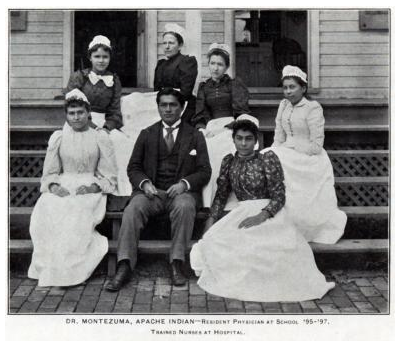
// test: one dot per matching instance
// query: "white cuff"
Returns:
(187, 184)
(141, 183)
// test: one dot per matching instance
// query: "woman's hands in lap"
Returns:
(58, 190)
(83, 189)
(254, 220)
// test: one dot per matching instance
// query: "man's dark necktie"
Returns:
(169, 139)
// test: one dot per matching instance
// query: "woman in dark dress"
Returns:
(177, 70)
(103, 90)
(101, 87)
(220, 100)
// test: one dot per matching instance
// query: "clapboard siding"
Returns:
(34, 82)
(354, 71)
(34, 94)
(354, 48)
(356, 60)
(338, 15)
(36, 38)
(354, 37)
(36, 58)
(352, 93)
(43, 27)
(356, 82)
(33, 49)
(213, 16)
(213, 31)
(24, 72)
(353, 63)
(45, 16)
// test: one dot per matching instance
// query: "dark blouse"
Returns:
(180, 71)
(257, 177)
(102, 99)
(228, 97)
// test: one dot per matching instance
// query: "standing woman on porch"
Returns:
(79, 170)
(103, 90)
(177, 70)
(220, 100)
(298, 142)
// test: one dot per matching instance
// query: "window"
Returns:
(266, 41)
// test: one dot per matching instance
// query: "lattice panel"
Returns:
(26, 166)
(354, 146)
(362, 195)
(24, 196)
(360, 166)
(19, 146)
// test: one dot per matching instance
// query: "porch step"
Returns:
(163, 246)
(35, 181)
(268, 127)
(22, 214)
(342, 152)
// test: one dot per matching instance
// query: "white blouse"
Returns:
(85, 152)
(300, 126)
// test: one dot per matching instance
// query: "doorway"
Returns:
(266, 41)
(121, 28)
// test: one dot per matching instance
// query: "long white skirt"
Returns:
(66, 246)
(310, 195)
(270, 262)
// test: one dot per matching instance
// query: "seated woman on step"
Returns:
(298, 142)
(103, 90)
(79, 170)
(220, 100)
(254, 253)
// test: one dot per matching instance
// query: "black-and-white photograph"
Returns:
(199, 162)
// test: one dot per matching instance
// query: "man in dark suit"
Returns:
(168, 168)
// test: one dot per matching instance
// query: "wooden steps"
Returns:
(263, 128)
(35, 181)
(162, 246)
(341, 152)
(24, 213)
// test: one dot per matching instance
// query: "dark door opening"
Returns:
(121, 28)
(266, 41)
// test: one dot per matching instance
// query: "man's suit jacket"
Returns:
(195, 167)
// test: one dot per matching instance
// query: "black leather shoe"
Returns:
(177, 277)
(121, 277)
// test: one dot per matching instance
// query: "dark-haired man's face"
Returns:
(244, 142)
(78, 118)
(170, 109)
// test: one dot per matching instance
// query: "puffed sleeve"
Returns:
(113, 115)
(224, 188)
(203, 113)
(188, 74)
(52, 162)
(280, 135)
(275, 183)
(76, 80)
(106, 172)
(315, 121)
(240, 98)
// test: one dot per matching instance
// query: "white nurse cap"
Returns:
(294, 71)
(175, 28)
(103, 40)
(219, 46)
(76, 94)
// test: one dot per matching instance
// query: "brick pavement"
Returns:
(355, 292)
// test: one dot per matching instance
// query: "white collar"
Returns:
(175, 125)
(107, 79)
